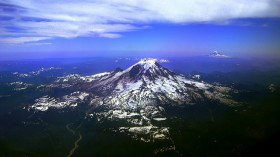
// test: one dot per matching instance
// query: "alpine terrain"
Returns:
(137, 97)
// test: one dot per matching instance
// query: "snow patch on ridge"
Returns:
(46, 102)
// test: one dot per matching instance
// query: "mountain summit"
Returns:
(146, 69)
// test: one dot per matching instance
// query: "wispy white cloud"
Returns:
(37, 43)
(20, 40)
(109, 18)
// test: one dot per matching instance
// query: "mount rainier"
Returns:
(136, 96)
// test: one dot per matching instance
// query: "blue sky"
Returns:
(74, 28)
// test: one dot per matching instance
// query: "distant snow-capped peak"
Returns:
(217, 54)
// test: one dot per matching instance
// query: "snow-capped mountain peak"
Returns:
(145, 64)
(144, 83)
(217, 54)
(138, 94)
(150, 61)
(146, 69)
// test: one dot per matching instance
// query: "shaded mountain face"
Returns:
(136, 96)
